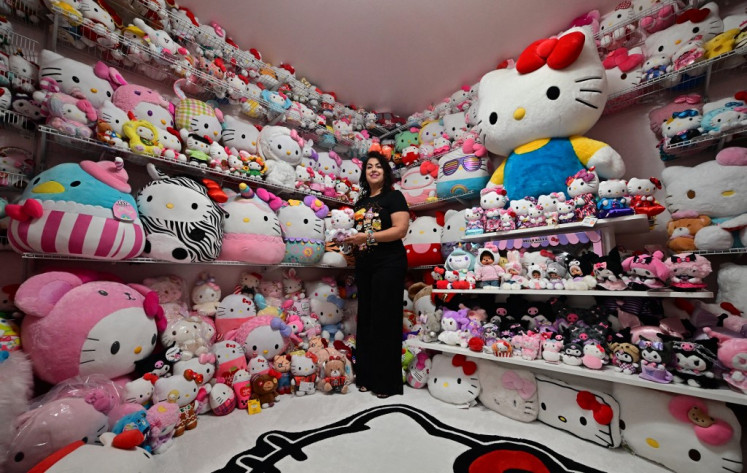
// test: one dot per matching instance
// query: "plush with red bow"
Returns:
(453, 379)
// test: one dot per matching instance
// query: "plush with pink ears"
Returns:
(75, 328)
(694, 411)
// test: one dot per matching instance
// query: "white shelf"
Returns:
(606, 374)
(94, 146)
(619, 225)
(13, 182)
(12, 120)
(730, 251)
(142, 260)
(461, 198)
(703, 142)
(665, 293)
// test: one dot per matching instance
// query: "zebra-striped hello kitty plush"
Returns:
(522, 112)
(182, 220)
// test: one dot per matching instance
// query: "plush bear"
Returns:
(182, 220)
(682, 230)
(110, 123)
(252, 231)
(105, 211)
(521, 112)
(333, 377)
(113, 325)
(712, 189)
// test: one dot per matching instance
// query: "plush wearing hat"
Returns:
(714, 189)
(524, 114)
(108, 326)
(196, 116)
(78, 209)
(462, 170)
(145, 104)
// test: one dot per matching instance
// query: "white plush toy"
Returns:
(525, 115)
(281, 149)
(239, 135)
(512, 393)
(341, 224)
(453, 379)
(89, 457)
(716, 189)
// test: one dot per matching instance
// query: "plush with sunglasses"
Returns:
(521, 112)
(462, 171)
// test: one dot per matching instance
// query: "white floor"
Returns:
(217, 439)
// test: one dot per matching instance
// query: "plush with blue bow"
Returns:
(329, 311)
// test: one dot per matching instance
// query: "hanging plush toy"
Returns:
(182, 220)
(94, 196)
(522, 114)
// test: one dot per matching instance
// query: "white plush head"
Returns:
(327, 311)
(176, 389)
(709, 189)
(512, 393)
(662, 428)
(329, 163)
(74, 77)
(668, 41)
(115, 117)
(227, 350)
(731, 283)
(624, 69)
(423, 230)
(461, 172)
(276, 143)
(413, 179)
(302, 365)
(549, 202)
(340, 218)
(493, 199)
(138, 391)
(239, 135)
(455, 225)
(519, 108)
(613, 188)
(430, 131)
(322, 289)
(637, 186)
(201, 366)
(453, 379)
(299, 221)
(522, 207)
(258, 364)
(455, 125)
(676, 125)
(588, 184)
(351, 170)
(251, 215)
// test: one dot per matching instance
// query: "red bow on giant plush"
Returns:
(557, 53)
(695, 15)
(468, 367)
(602, 412)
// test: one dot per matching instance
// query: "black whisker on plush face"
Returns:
(586, 103)
(596, 91)
(584, 79)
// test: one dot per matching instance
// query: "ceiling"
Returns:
(391, 55)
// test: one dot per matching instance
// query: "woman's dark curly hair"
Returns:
(386, 169)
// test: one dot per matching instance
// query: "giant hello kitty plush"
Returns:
(182, 221)
(423, 241)
(78, 209)
(454, 379)
(714, 189)
(522, 114)
(108, 326)
(251, 228)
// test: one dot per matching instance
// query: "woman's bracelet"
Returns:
(370, 241)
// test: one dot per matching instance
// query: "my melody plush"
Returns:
(711, 189)
(96, 193)
(521, 116)
(252, 231)
(108, 337)
(182, 220)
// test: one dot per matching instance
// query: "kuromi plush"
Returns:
(522, 114)
(108, 326)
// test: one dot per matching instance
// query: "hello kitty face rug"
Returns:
(430, 446)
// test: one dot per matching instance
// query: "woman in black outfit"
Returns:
(382, 220)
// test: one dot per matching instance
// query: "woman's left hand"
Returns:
(356, 240)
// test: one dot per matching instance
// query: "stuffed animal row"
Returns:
(171, 360)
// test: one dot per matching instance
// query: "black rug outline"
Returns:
(276, 445)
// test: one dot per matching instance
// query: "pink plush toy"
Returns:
(163, 418)
(44, 430)
(107, 326)
(145, 104)
(263, 335)
(70, 115)
(688, 271)
(170, 290)
(646, 272)
(709, 430)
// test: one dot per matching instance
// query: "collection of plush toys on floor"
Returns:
(485, 268)
(143, 363)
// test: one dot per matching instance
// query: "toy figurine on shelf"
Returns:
(612, 200)
(493, 202)
(641, 192)
(688, 271)
(625, 354)
(645, 272)
(654, 359)
(582, 188)
(475, 221)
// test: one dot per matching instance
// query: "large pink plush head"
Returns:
(44, 430)
(145, 104)
(263, 335)
(73, 328)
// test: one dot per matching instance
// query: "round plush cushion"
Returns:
(255, 249)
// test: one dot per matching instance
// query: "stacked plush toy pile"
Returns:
(145, 360)
(488, 269)
(704, 349)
